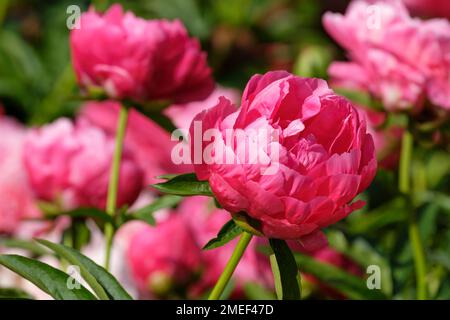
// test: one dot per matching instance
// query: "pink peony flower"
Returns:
(432, 8)
(150, 144)
(399, 59)
(16, 198)
(129, 57)
(163, 256)
(181, 73)
(313, 156)
(71, 162)
(206, 220)
(182, 114)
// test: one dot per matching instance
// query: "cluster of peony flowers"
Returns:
(318, 148)
(401, 60)
(69, 163)
(325, 157)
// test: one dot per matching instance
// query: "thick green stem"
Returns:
(231, 266)
(114, 181)
(414, 234)
(419, 259)
(404, 183)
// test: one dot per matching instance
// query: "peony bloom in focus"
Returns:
(129, 57)
(71, 163)
(290, 160)
(206, 220)
(16, 197)
(182, 114)
(431, 8)
(164, 256)
(401, 60)
(150, 144)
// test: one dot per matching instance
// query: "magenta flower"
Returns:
(432, 8)
(129, 57)
(314, 156)
(399, 59)
(163, 256)
(16, 197)
(71, 163)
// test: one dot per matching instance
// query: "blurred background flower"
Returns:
(16, 197)
(69, 164)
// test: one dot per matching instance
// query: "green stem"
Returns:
(231, 266)
(414, 234)
(114, 181)
(405, 163)
(419, 260)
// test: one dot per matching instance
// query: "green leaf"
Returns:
(80, 235)
(348, 284)
(379, 217)
(146, 213)
(255, 291)
(48, 279)
(228, 232)
(63, 252)
(167, 176)
(23, 244)
(185, 185)
(14, 294)
(90, 213)
(51, 105)
(111, 286)
(285, 271)
(437, 168)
